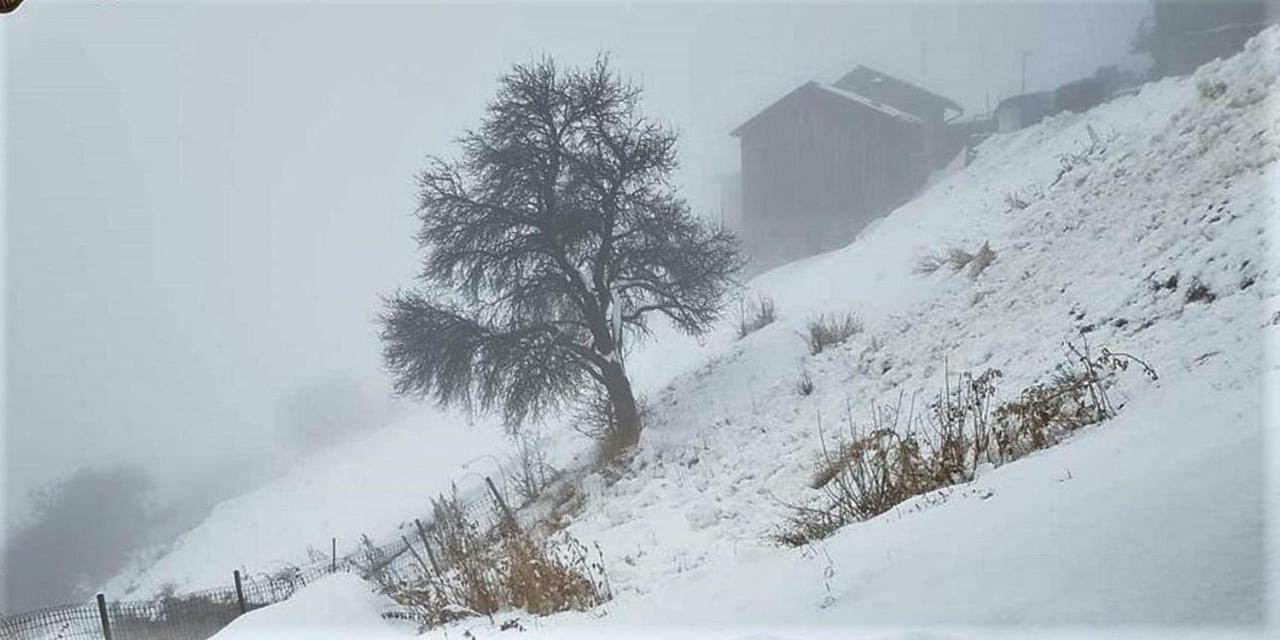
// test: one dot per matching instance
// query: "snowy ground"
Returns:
(1149, 523)
(335, 607)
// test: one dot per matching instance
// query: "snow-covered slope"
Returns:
(369, 485)
(1153, 518)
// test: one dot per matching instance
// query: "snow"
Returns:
(1151, 523)
(339, 606)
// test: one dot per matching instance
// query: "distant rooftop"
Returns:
(846, 97)
(865, 80)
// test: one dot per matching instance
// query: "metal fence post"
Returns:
(102, 614)
(333, 567)
(417, 557)
(422, 533)
(508, 516)
(239, 593)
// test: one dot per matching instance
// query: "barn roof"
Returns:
(886, 109)
(863, 76)
(845, 97)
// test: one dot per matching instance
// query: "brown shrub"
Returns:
(477, 571)
(861, 476)
(865, 475)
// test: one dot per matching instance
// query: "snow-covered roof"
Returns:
(826, 89)
(888, 110)
(864, 76)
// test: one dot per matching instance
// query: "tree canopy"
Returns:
(549, 245)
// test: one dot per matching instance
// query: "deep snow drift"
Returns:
(337, 606)
(1153, 240)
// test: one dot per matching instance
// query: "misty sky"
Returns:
(205, 202)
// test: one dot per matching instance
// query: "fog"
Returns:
(204, 203)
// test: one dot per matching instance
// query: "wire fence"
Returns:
(199, 615)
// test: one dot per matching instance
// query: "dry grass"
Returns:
(1016, 201)
(476, 571)
(1020, 199)
(804, 384)
(928, 263)
(1198, 291)
(905, 454)
(825, 331)
(981, 260)
(863, 474)
(755, 316)
(529, 470)
(958, 259)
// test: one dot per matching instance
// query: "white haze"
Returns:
(205, 202)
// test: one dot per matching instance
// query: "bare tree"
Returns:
(549, 245)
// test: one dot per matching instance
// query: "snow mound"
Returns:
(337, 606)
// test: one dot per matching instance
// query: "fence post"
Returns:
(102, 614)
(417, 557)
(507, 515)
(426, 544)
(333, 567)
(239, 593)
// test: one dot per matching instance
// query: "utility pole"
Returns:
(1025, 55)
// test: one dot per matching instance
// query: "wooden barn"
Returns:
(826, 159)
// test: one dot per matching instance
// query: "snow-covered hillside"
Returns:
(1153, 241)
(368, 486)
(1153, 518)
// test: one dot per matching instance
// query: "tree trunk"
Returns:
(626, 427)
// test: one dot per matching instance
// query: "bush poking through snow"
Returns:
(960, 420)
(981, 260)
(928, 264)
(958, 259)
(825, 331)
(528, 470)
(861, 476)
(475, 571)
(1211, 89)
(866, 473)
(755, 316)
(1095, 149)
(1199, 292)
(804, 385)
(1017, 200)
